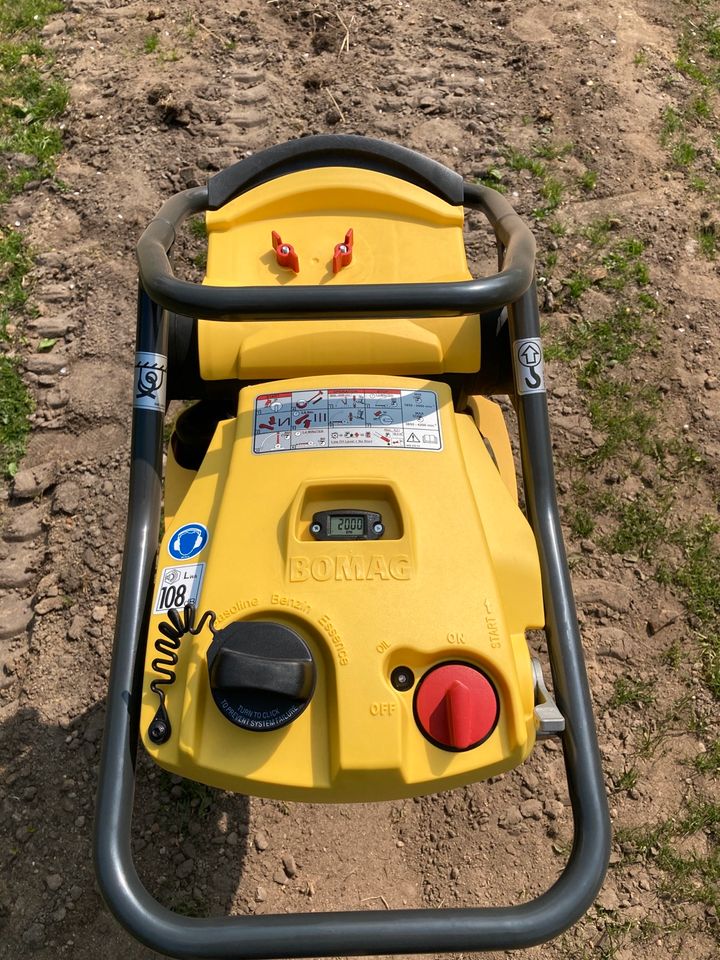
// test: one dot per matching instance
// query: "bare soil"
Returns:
(463, 82)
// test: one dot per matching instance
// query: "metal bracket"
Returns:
(550, 721)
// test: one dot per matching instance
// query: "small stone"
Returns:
(24, 524)
(48, 605)
(59, 915)
(52, 327)
(99, 613)
(54, 881)
(41, 363)
(75, 892)
(289, 865)
(614, 643)
(280, 878)
(554, 809)
(659, 621)
(510, 818)
(56, 399)
(32, 481)
(76, 630)
(262, 841)
(232, 839)
(53, 28)
(261, 895)
(608, 899)
(16, 615)
(34, 936)
(454, 873)
(18, 568)
(603, 593)
(531, 809)
(185, 869)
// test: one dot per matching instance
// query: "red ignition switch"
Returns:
(456, 706)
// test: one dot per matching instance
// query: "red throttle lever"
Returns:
(342, 256)
(285, 253)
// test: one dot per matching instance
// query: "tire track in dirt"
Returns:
(461, 84)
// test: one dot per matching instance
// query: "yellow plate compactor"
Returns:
(338, 607)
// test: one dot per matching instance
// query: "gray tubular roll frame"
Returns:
(363, 932)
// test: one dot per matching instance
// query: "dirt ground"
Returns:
(471, 84)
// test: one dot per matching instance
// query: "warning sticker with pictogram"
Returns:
(340, 418)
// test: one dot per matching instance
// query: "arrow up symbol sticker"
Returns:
(528, 366)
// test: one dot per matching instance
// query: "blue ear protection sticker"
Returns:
(188, 541)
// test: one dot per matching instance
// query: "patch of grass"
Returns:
(629, 692)
(197, 228)
(15, 403)
(625, 416)
(582, 522)
(576, 284)
(709, 762)
(588, 181)
(556, 228)
(708, 240)
(30, 101)
(671, 124)
(691, 871)
(684, 153)
(553, 151)
(641, 526)
(640, 58)
(552, 191)
(15, 408)
(598, 231)
(647, 301)
(151, 42)
(522, 161)
(627, 779)
(15, 262)
(700, 106)
(698, 575)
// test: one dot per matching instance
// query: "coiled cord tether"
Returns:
(172, 633)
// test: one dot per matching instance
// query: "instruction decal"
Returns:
(178, 586)
(188, 541)
(335, 418)
(529, 366)
(150, 381)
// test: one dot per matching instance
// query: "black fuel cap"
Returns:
(262, 674)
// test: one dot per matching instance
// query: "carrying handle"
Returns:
(330, 301)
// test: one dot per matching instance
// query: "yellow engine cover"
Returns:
(454, 577)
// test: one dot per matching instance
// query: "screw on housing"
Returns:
(285, 253)
(342, 256)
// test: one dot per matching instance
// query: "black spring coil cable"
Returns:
(172, 633)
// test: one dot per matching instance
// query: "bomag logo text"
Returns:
(344, 567)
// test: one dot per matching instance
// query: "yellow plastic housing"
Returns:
(402, 234)
(455, 577)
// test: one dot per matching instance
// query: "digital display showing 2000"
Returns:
(348, 525)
